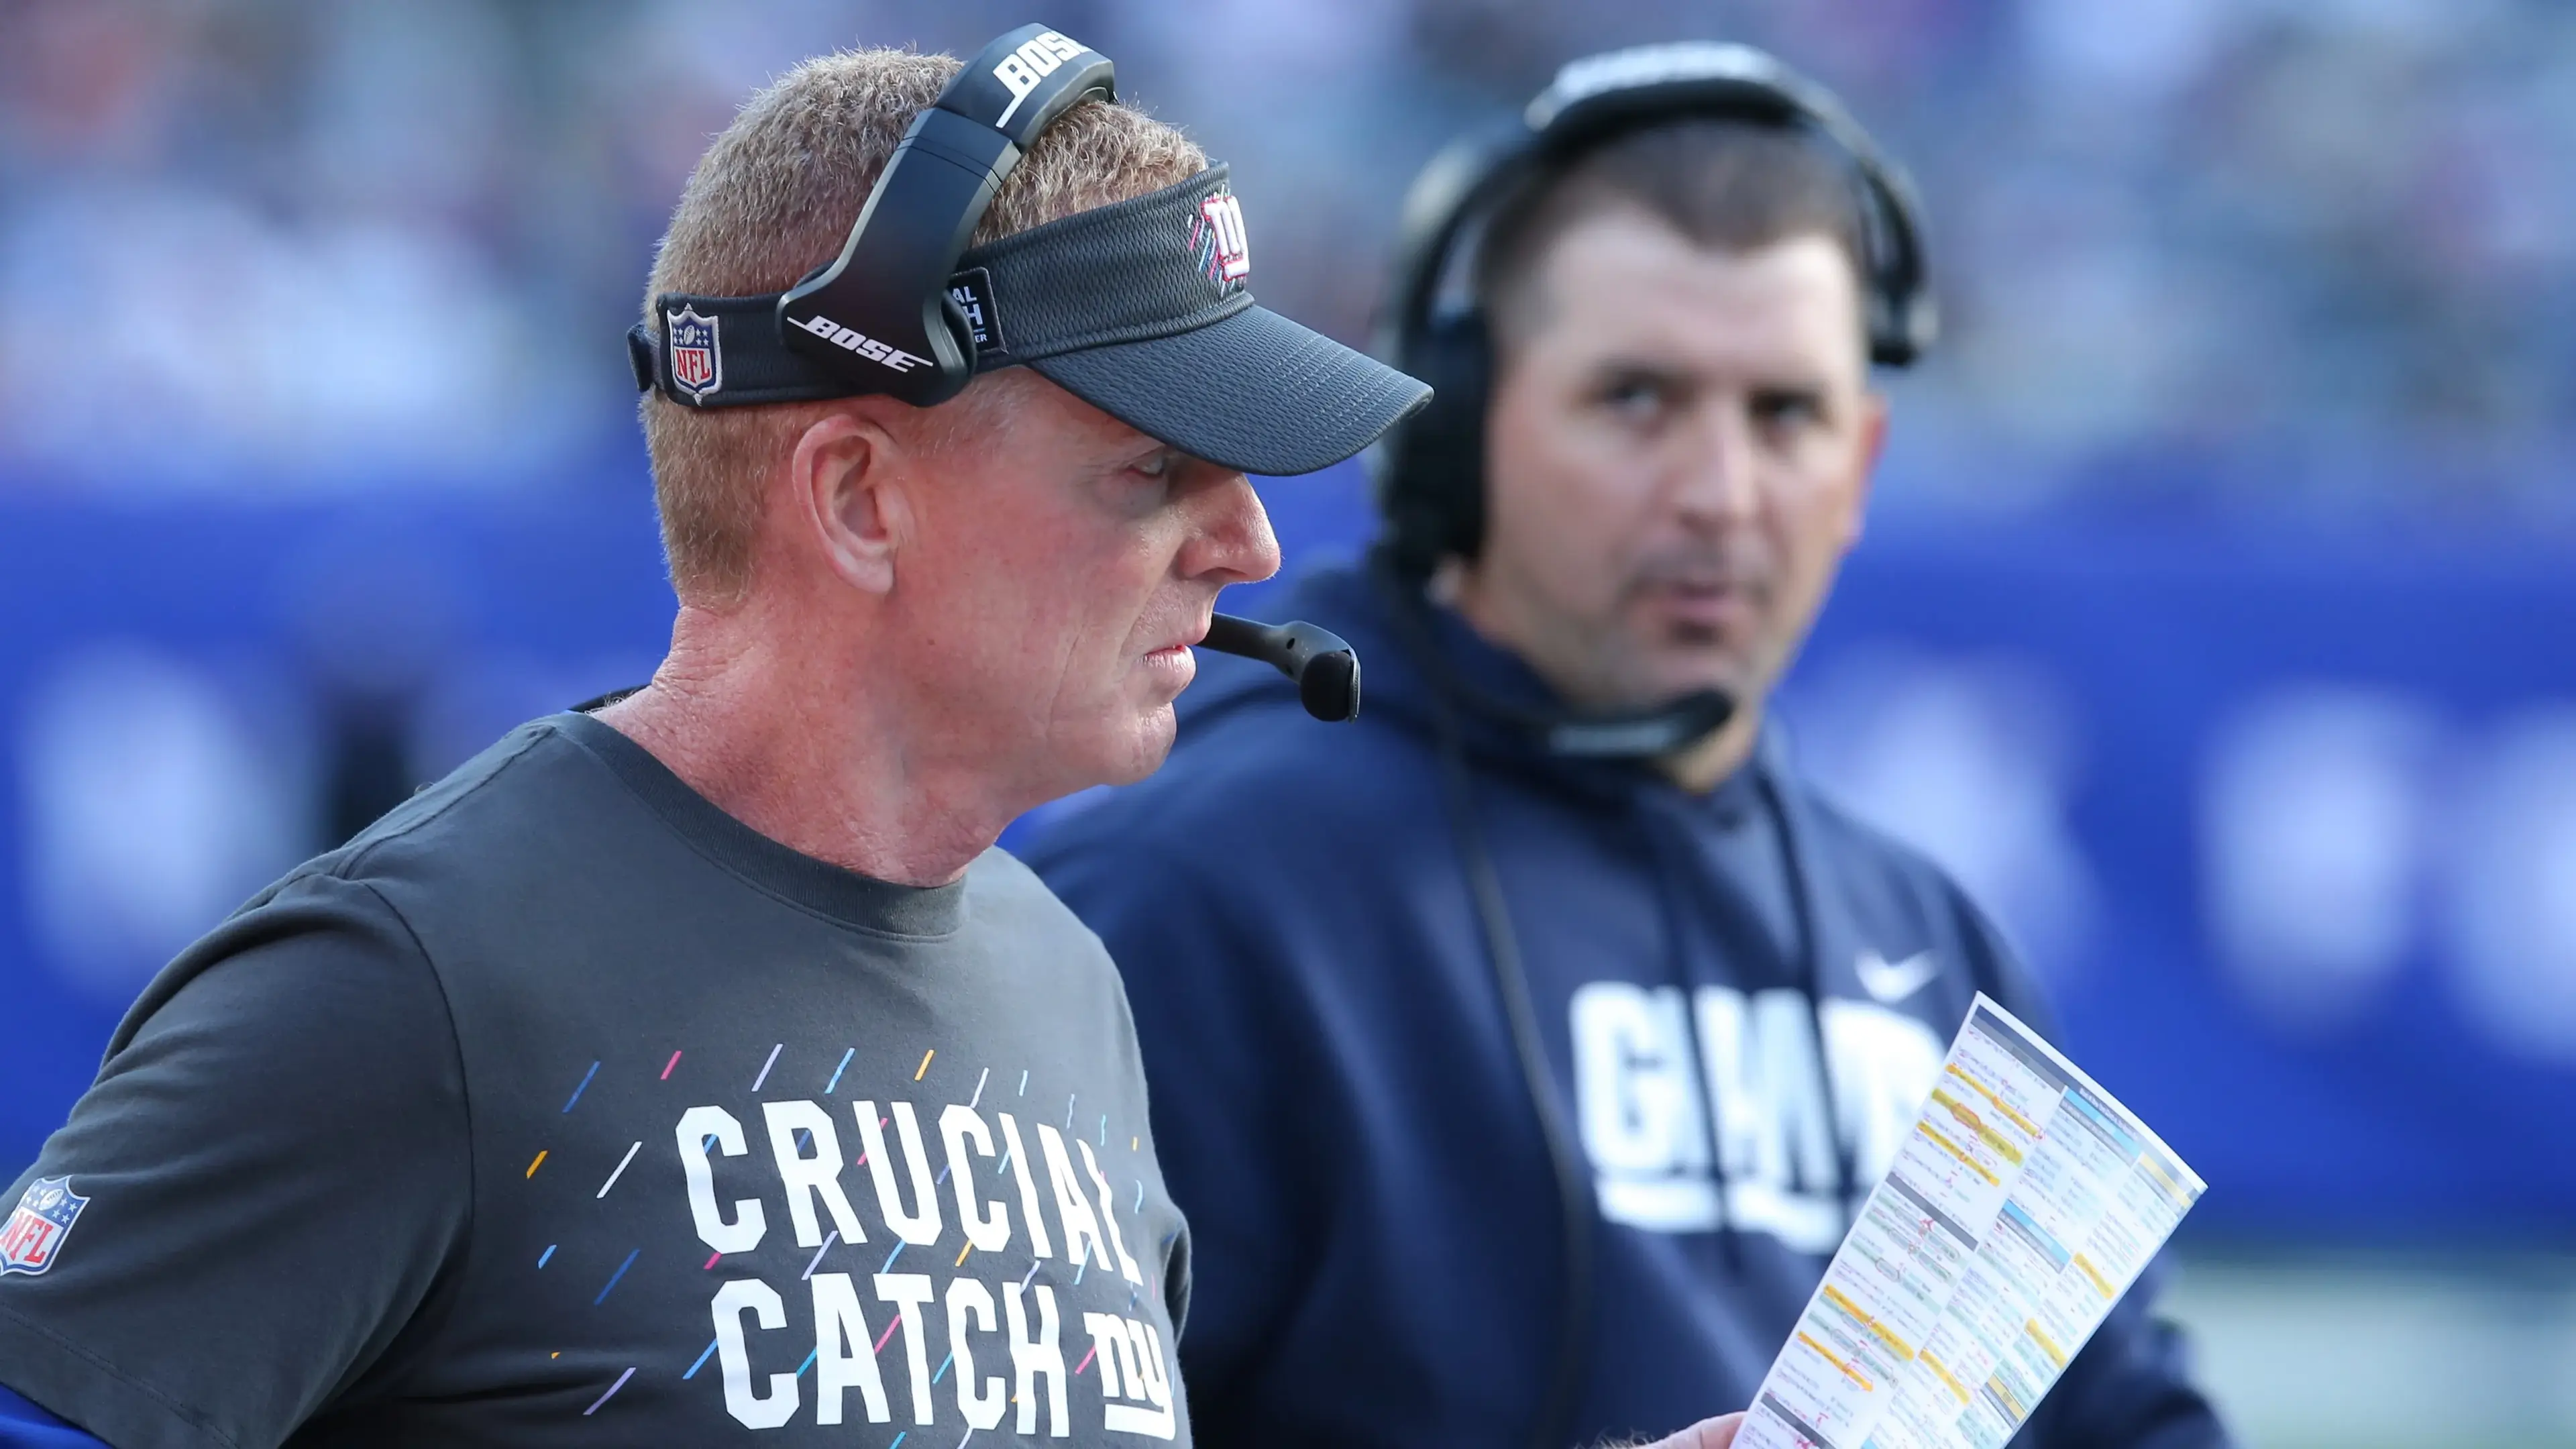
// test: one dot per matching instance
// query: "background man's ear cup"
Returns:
(1431, 468)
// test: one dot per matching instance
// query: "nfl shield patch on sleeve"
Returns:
(33, 1236)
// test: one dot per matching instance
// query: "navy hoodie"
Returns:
(1382, 1258)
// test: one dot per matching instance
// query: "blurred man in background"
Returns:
(1522, 1062)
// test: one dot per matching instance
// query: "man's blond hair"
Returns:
(773, 198)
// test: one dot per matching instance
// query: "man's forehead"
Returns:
(1020, 401)
(1628, 277)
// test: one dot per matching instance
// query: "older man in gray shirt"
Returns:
(695, 1066)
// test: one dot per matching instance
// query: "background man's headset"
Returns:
(891, 285)
(1431, 484)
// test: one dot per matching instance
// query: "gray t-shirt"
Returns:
(560, 1108)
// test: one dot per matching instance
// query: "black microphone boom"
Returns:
(1326, 669)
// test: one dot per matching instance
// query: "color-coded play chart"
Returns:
(2024, 1203)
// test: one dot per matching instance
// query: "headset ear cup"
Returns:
(1431, 489)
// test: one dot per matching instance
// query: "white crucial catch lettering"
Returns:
(981, 1337)
(1037, 58)
(1709, 1110)
(861, 343)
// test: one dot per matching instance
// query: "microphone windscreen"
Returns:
(1329, 686)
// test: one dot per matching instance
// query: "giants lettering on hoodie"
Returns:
(1708, 1111)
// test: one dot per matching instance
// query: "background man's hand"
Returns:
(1714, 1433)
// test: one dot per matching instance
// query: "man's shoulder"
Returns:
(343, 912)
(315, 947)
(1857, 846)
(1889, 879)
(510, 798)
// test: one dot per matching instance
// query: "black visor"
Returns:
(1140, 308)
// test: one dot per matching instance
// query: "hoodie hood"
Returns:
(1403, 662)
(1346, 1106)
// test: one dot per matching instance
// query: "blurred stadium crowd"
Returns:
(2298, 244)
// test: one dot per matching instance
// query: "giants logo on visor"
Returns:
(1225, 252)
(697, 364)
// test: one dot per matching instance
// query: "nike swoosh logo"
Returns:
(1893, 981)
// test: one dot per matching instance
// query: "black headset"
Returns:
(883, 318)
(1430, 469)
(889, 286)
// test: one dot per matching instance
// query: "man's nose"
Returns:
(1717, 472)
(1234, 544)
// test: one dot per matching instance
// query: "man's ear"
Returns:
(845, 479)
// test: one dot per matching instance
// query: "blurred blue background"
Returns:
(2213, 624)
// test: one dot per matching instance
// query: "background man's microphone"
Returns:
(1326, 669)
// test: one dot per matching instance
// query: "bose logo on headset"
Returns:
(861, 343)
(1035, 60)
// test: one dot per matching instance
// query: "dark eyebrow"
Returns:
(1807, 392)
(1628, 369)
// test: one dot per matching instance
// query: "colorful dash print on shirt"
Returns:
(613, 1277)
(612, 1392)
(829, 1239)
(585, 1086)
(621, 1169)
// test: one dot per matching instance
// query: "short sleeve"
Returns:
(25, 1426)
(255, 1197)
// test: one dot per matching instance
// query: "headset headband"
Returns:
(1430, 472)
(890, 283)
(880, 318)
(1600, 96)
(1141, 307)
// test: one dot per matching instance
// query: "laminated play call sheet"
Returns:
(2022, 1205)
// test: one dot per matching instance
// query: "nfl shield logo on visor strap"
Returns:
(1225, 251)
(697, 363)
(33, 1236)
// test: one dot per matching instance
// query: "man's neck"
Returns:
(1702, 767)
(1698, 768)
(792, 748)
